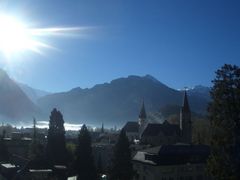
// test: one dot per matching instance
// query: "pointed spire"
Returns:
(185, 106)
(102, 130)
(34, 129)
(142, 114)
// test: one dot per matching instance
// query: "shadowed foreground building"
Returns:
(172, 162)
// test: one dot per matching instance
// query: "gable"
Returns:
(131, 127)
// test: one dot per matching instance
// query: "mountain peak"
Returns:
(3, 74)
(150, 77)
(77, 89)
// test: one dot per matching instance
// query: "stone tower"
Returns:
(142, 119)
(185, 121)
(142, 115)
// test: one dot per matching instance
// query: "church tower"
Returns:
(142, 116)
(142, 119)
(185, 121)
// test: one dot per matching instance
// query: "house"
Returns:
(172, 162)
(132, 130)
(158, 134)
(7, 171)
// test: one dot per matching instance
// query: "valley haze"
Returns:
(112, 103)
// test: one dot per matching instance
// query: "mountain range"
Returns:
(113, 103)
(32, 93)
(14, 103)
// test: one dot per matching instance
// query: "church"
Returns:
(165, 133)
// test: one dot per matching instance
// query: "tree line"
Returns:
(81, 162)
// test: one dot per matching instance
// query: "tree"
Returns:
(56, 145)
(122, 168)
(99, 164)
(4, 155)
(84, 163)
(224, 114)
(36, 149)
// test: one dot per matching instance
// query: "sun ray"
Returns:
(15, 36)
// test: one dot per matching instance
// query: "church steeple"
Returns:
(142, 119)
(142, 114)
(185, 106)
(185, 120)
(102, 129)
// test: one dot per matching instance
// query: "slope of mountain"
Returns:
(200, 91)
(32, 93)
(118, 101)
(14, 104)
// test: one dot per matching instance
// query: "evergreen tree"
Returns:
(99, 164)
(84, 164)
(224, 113)
(36, 150)
(4, 155)
(56, 145)
(122, 168)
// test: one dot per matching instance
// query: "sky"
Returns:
(179, 42)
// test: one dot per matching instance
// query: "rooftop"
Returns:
(154, 129)
(131, 126)
(173, 154)
(40, 170)
(8, 165)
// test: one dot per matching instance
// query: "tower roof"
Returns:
(185, 106)
(102, 129)
(142, 113)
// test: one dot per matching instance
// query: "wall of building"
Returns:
(160, 139)
(173, 172)
(132, 135)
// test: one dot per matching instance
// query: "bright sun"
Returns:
(14, 36)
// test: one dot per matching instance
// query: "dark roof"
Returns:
(165, 128)
(36, 164)
(131, 127)
(178, 149)
(173, 154)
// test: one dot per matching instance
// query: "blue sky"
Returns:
(180, 42)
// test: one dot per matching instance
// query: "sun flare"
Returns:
(16, 36)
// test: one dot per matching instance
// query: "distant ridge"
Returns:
(32, 93)
(113, 103)
(119, 101)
